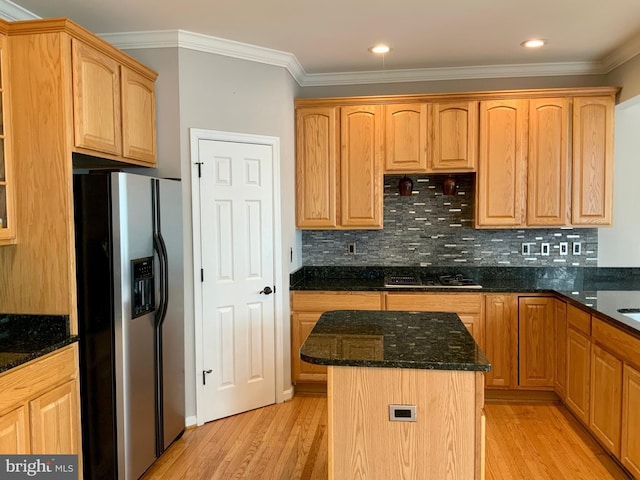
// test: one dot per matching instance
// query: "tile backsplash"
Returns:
(432, 229)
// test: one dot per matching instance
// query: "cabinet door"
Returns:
(7, 211)
(500, 190)
(406, 138)
(536, 341)
(14, 433)
(630, 448)
(361, 166)
(53, 417)
(548, 163)
(138, 117)
(96, 100)
(560, 329)
(605, 408)
(578, 374)
(454, 137)
(316, 167)
(501, 339)
(592, 176)
(302, 324)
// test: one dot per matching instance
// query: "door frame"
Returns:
(282, 392)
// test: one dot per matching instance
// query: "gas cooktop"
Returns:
(440, 281)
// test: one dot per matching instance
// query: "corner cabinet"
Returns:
(7, 183)
(114, 107)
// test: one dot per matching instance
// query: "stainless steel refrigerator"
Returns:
(129, 261)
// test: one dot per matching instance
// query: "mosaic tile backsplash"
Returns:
(432, 229)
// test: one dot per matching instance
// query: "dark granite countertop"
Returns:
(421, 340)
(602, 290)
(26, 337)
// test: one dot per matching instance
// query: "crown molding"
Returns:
(12, 12)
(220, 46)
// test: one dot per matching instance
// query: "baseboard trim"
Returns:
(521, 396)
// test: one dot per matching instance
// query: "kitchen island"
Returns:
(405, 394)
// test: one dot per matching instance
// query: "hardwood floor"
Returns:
(288, 441)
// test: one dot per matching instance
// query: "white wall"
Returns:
(619, 246)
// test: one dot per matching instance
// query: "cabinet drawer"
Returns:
(435, 302)
(37, 376)
(623, 344)
(579, 319)
(325, 301)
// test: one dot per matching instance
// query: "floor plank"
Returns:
(288, 441)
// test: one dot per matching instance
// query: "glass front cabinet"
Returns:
(7, 215)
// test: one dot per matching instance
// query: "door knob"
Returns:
(266, 290)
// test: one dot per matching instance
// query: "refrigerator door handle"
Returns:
(161, 249)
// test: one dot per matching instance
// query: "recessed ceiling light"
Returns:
(533, 43)
(381, 48)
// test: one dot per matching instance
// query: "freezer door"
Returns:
(172, 328)
(134, 337)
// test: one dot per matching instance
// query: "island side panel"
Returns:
(364, 444)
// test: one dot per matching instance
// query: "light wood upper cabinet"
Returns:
(548, 162)
(317, 151)
(454, 137)
(536, 342)
(361, 138)
(96, 100)
(406, 138)
(113, 106)
(502, 163)
(592, 176)
(7, 184)
(605, 408)
(138, 116)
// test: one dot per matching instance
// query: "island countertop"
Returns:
(391, 339)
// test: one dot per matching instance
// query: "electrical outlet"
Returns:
(577, 248)
(351, 248)
(526, 249)
(544, 249)
(564, 248)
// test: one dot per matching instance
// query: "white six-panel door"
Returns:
(236, 241)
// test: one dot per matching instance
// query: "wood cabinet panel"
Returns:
(560, 330)
(592, 175)
(536, 342)
(317, 151)
(138, 116)
(454, 137)
(54, 421)
(501, 339)
(302, 325)
(406, 138)
(630, 447)
(578, 374)
(8, 218)
(548, 162)
(14, 432)
(605, 408)
(501, 179)
(325, 301)
(96, 99)
(361, 138)
(614, 339)
(579, 319)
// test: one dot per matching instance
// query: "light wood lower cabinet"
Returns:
(39, 410)
(605, 404)
(560, 330)
(536, 342)
(306, 308)
(630, 445)
(578, 374)
(468, 306)
(501, 339)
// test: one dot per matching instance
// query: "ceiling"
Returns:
(332, 37)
